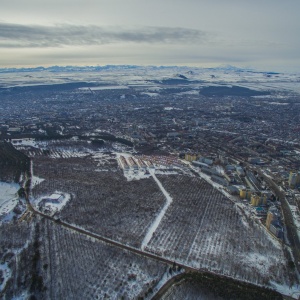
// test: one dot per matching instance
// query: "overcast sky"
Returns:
(262, 34)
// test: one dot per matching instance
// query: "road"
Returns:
(291, 229)
(164, 289)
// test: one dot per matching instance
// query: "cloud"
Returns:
(36, 36)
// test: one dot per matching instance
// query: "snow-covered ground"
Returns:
(8, 197)
(55, 149)
(25, 142)
(135, 175)
(8, 191)
(6, 273)
(52, 203)
(35, 180)
(84, 268)
(164, 279)
(135, 76)
(292, 291)
(202, 249)
(296, 217)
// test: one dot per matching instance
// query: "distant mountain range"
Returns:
(126, 67)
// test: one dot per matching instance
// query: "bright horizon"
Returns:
(258, 35)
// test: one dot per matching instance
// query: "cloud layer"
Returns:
(18, 36)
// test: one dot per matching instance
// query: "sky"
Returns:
(259, 34)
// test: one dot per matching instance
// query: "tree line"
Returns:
(13, 163)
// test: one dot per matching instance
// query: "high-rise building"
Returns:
(245, 194)
(190, 156)
(294, 179)
(273, 215)
(257, 200)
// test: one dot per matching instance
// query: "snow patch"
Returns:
(99, 88)
(35, 181)
(150, 94)
(8, 197)
(6, 273)
(30, 142)
(292, 291)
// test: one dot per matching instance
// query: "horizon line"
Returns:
(107, 66)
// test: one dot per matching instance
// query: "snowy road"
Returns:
(159, 217)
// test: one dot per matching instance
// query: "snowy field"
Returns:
(8, 197)
(133, 76)
(158, 205)
(8, 191)
(82, 268)
(203, 229)
(103, 200)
